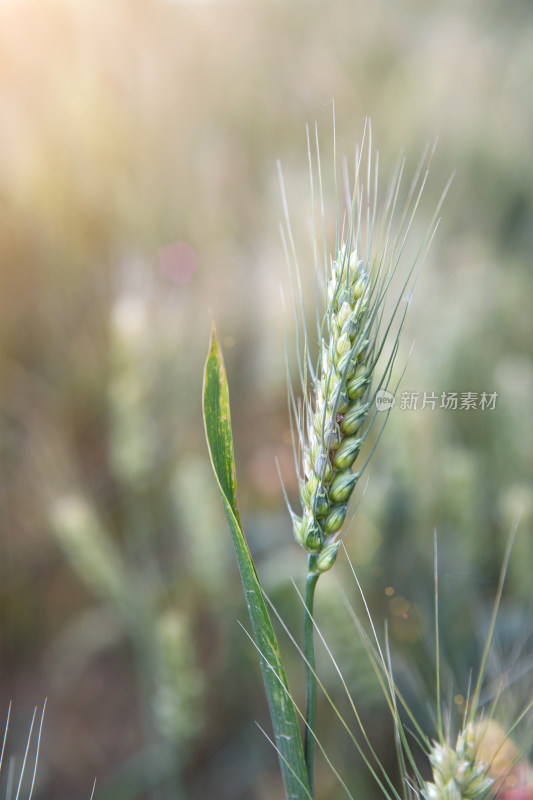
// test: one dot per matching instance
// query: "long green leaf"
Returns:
(219, 438)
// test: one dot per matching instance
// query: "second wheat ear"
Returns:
(367, 289)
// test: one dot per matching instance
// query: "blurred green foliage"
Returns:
(131, 125)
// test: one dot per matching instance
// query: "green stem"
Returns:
(310, 677)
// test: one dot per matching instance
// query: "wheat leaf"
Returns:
(220, 442)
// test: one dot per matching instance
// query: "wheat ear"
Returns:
(336, 410)
(334, 415)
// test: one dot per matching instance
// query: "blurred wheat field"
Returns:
(139, 198)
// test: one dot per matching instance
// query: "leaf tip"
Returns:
(213, 338)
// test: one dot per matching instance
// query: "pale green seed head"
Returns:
(457, 772)
(331, 406)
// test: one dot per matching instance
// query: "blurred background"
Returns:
(139, 199)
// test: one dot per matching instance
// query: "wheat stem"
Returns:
(310, 674)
